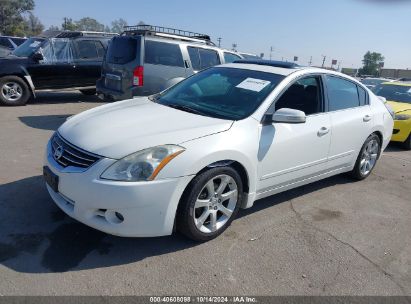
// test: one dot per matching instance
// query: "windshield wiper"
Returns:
(185, 108)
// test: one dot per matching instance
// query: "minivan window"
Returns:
(163, 53)
(229, 57)
(87, 49)
(342, 94)
(122, 50)
(202, 58)
(227, 93)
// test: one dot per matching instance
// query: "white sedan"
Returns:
(190, 157)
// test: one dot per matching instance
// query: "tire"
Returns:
(369, 154)
(88, 92)
(14, 91)
(407, 144)
(195, 220)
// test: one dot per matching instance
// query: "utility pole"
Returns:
(323, 60)
(271, 51)
(234, 47)
(65, 23)
(311, 61)
(219, 41)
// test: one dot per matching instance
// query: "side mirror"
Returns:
(286, 115)
(37, 57)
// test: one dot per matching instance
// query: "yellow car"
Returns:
(398, 95)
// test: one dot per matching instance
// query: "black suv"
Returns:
(68, 60)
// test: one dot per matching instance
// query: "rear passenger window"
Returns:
(362, 94)
(87, 49)
(229, 57)
(202, 58)
(6, 43)
(163, 53)
(122, 50)
(342, 94)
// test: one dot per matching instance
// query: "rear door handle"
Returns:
(323, 131)
(367, 118)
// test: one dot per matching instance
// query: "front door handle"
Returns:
(323, 131)
(367, 118)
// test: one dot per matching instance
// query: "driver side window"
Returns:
(304, 95)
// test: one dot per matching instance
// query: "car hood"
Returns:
(399, 107)
(119, 129)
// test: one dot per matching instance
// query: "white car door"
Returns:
(290, 153)
(351, 120)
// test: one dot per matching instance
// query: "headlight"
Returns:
(143, 165)
(402, 116)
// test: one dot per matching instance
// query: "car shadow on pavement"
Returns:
(44, 122)
(394, 147)
(37, 237)
(56, 97)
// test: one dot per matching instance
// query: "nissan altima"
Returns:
(190, 157)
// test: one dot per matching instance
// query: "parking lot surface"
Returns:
(333, 237)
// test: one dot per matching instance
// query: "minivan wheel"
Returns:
(88, 92)
(210, 204)
(13, 91)
(367, 159)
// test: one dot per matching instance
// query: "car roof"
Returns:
(277, 67)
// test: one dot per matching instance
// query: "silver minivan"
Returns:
(145, 60)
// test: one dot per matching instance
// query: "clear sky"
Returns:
(339, 29)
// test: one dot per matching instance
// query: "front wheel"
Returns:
(13, 91)
(367, 159)
(210, 204)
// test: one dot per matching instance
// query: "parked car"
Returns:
(398, 95)
(372, 82)
(70, 60)
(192, 155)
(9, 44)
(147, 59)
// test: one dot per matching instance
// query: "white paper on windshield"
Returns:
(35, 44)
(253, 84)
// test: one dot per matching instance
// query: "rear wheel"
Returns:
(13, 91)
(367, 159)
(407, 144)
(88, 92)
(210, 204)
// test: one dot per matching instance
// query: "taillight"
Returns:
(138, 76)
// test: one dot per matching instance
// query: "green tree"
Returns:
(371, 63)
(32, 25)
(89, 24)
(117, 26)
(68, 24)
(11, 16)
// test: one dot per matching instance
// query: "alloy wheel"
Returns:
(215, 204)
(369, 157)
(11, 91)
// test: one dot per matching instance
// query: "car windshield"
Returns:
(227, 93)
(28, 47)
(399, 93)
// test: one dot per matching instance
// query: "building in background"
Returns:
(395, 73)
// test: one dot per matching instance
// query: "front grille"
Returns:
(68, 155)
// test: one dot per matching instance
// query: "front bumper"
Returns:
(402, 129)
(147, 208)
